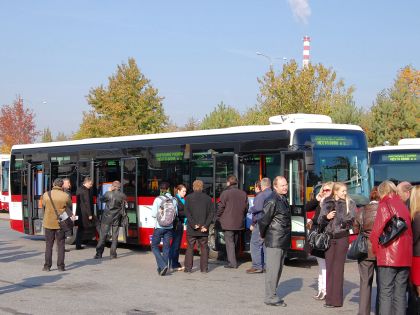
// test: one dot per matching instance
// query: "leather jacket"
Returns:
(115, 207)
(339, 226)
(400, 251)
(365, 218)
(276, 225)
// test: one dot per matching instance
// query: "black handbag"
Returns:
(359, 247)
(393, 228)
(64, 221)
(319, 239)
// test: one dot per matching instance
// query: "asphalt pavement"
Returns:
(131, 285)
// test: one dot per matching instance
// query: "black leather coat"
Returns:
(115, 207)
(276, 224)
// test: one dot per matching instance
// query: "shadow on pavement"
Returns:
(30, 283)
(17, 255)
(95, 262)
(289, 286)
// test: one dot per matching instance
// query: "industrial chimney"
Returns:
(306, 48)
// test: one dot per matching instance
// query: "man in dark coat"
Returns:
(114, 210)
(275, 228)
(84, 210)
(257, 243)
(231, 212)
(199, 212)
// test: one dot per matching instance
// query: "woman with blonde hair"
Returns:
(415, 267)
(337, 215)
(312, 225)
(393, 259)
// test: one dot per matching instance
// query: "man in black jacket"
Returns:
(114, 210)
(275, 228)
(84, 210)
(199, 213)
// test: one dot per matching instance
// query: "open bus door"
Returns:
(35, 180)
(129, 188)
(224, 164)
(293, 169)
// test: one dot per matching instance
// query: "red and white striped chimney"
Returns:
(306, 49)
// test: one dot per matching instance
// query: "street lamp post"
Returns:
(270, 59)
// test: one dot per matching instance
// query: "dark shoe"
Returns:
(230, 267)
(163, 271)
(97, 256)
(114, 256)
(61, 269)
(187, 270)
(204, 271)
(80, 247)
(46, 268)
(254, 270)
(280, 303)
(330, 306)
(66, 250)
(322, 296)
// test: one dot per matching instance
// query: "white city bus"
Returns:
(397, 163)
(306, 149)
(4, 182)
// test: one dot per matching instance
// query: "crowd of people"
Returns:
(397, 265)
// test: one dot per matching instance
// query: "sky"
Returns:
(196, 53)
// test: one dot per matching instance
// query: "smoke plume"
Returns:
(301, 10)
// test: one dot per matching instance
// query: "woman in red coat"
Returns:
(415, 268)
(394, 259)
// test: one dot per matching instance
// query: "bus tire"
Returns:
(71, 240)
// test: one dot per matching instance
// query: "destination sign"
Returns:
(401, 157)
(332, 141)
(169, 156)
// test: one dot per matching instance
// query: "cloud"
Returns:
(300, 9)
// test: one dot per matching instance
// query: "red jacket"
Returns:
(400, 251)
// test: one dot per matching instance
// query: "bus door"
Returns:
(129, 188)
(293, 169)
(224, 164)
(35, 181)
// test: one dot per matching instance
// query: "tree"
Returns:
(192, 124)
(313, 89)
(396, 111)
(221, 117)
(46, 135)
(128, 105)
(17, 125)
(61, 136)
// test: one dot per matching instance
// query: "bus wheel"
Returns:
(70, 240)
(213, 252)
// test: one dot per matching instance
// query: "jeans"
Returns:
(257, 249)
(392, 288)
(162, 259)
(176, 244)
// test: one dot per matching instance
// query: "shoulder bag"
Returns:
(64, 221)
(319, 239)
(359, 247)
(393, 228)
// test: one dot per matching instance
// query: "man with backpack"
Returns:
(164, 209)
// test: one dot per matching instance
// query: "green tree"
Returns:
(61, 136)
(221, 117)
(313, 89)
(46, 135)
(396, 111)
(128, 105)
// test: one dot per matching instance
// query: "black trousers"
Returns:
(231, 239)
(105, 228)
(335, 257)
(204, 252)
(52, 235)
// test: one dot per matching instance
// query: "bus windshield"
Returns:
(338, 156)
(395, 165)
